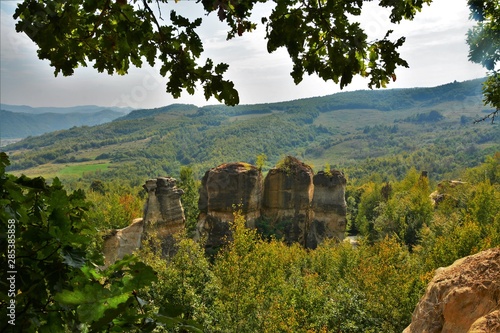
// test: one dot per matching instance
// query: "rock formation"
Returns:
(288, 193)
(461, 298)
(224, 189)
(329, 207)
(163, 213)
(445, 191)
(163, 217)
(295, 206)
(291, 203)
(121, 242)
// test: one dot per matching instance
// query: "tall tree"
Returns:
(321, 37)
(484, 48)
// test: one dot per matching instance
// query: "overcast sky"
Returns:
(435, 49)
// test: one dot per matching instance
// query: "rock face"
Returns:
(121, 242)
(163, 213)
(288, 193)
(461, 298)
(295, 205)
(290, 203)
(329, 207)
(224, 189)
(163, 217)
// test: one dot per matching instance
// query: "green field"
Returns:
(79, 169)
(73, 170)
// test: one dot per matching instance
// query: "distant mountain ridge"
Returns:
(15, 125)
(382, 100)
(68, 109)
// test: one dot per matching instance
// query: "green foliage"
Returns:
(488, 171)
(253, 284)
(484, 44)
(260, 161)
(183, 290)
(321, 38)
(190, 197)
(401, 209)
(50, 244)
(431, 117)
(115, 208)
(103, 299)
(58, 288)
(367, 210)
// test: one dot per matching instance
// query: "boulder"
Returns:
(225, 189)
(461, 298)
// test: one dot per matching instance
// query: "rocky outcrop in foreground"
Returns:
(462, 298)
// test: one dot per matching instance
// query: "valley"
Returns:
(346, 131)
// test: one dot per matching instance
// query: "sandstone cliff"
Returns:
(329, 207)
(461, 298)
(295, 205)
(288, 194)
(163, 217)
(163, 213)
(224, 189)
(291, 203)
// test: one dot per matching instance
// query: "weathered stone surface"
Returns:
(163, 213)
(224, 189)
(288, 193)
(289, 203)
(461, 298)
(329, 208)
(121, 242)
(163, 218)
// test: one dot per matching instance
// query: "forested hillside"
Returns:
(362, 132)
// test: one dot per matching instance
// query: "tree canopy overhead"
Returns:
(484, 48)
(322, 37)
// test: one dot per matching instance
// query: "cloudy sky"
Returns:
(435, 49)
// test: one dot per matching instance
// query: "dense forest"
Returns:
(383, 141)
(254, 284)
